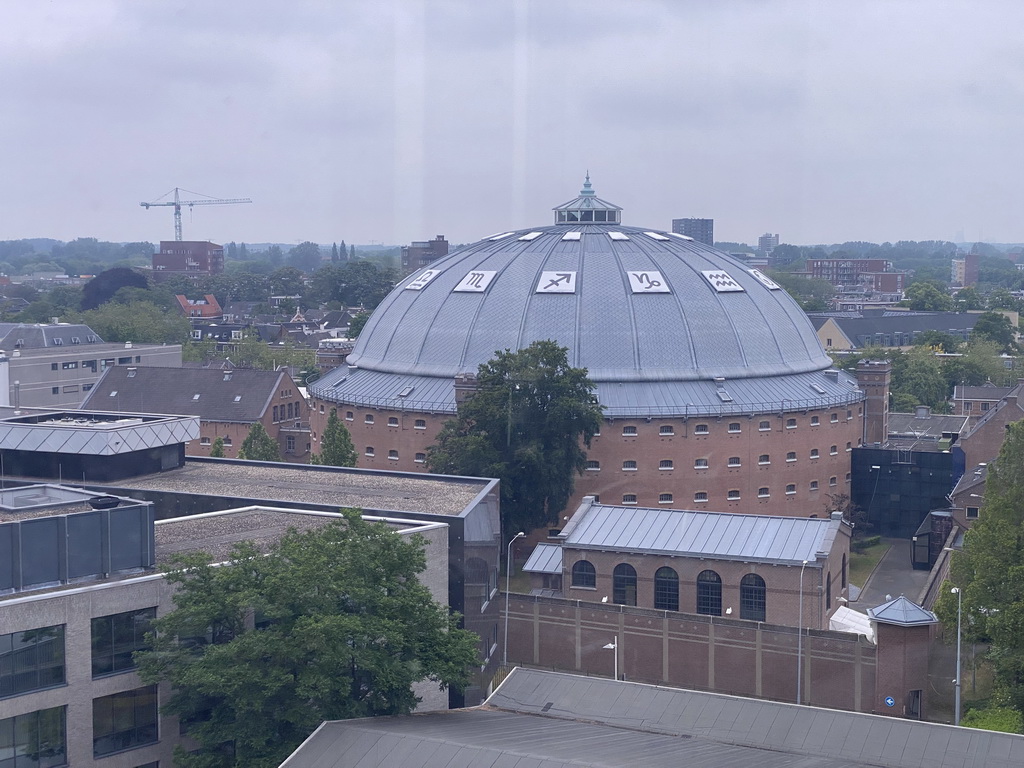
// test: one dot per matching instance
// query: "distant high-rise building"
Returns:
(701, 230)
(767, 242)
(422, 253)
(964, 270)
(192, 258)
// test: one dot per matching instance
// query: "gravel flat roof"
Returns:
(407, 492)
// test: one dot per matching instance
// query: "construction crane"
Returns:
(177, 203)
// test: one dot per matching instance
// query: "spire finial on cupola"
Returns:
(588, 189)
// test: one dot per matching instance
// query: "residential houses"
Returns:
(228, 403)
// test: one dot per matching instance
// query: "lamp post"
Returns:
(613, 646)
(956, 683)
(800, 636)
(508, 584)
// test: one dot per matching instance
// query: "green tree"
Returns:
(926, 296)
(990, 571)
(968, 299)
(336, 449)
(259, 446)
(102, 287)
(345, 628)
(918, 373)
(940, 340)
(357, 324)
(305, 256)
(217, 449)
(996, 327)
(138, 321)
(527, 423)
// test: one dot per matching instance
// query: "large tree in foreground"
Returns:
(527, 423)
(990, 570)
(342, 629)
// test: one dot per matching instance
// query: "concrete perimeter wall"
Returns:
(691, 651)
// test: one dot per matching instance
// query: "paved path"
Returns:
(893, 576)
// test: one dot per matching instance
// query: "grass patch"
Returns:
(863, 562)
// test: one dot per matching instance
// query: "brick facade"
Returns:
(399, 441)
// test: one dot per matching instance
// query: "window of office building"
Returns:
(34, 740)
(31, 660)
(116, 637)
(124, 720)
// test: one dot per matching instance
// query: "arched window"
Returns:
(752, 597)
(624, 584)
(666, 590)
(709, 593)
(583, 574)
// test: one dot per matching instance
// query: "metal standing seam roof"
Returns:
(545, 558)
(664, 326)
(722, 535)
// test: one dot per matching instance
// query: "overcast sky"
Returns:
(396, 120)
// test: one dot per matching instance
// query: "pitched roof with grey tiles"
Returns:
(240, 395)
(40, 335)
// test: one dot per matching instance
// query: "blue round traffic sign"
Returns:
(890, 701)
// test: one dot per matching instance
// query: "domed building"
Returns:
(717, 394)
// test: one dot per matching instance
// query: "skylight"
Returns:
(572, 235)
(655, 235)
(531, 235)
(618, 236)
(196, 396)
(499, 237)
(681, 237)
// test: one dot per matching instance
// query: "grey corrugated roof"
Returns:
(983, 392)
(541, 719)
(545, 558)
(144, 389)
(722, 535)
(904, 322)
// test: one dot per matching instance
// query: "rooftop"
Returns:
(722, 535)
(239, 395)
(333, 486)
(216, 533)
(558, 720)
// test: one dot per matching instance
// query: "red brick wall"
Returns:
(723, 655)
(649, 447)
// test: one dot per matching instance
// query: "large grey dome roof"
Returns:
(645, 312)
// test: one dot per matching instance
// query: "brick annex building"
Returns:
(716, 390)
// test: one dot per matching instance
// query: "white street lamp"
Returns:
(613, 646)
(508, 584)
(956, 700)
(800, 636)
